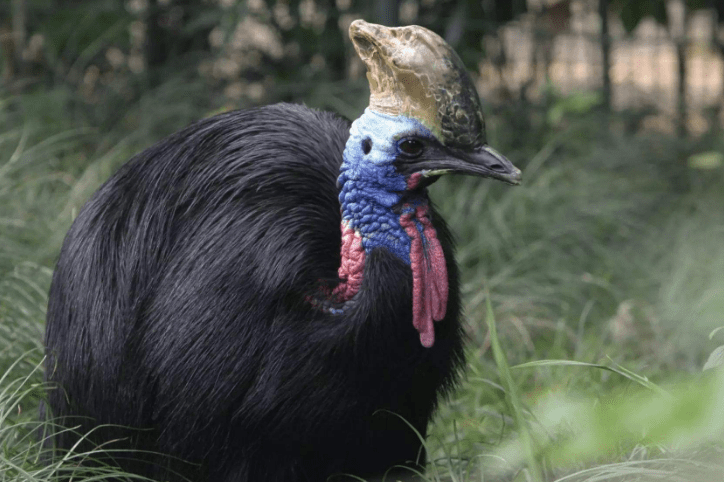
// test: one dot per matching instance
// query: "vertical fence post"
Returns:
(681, 50)
(19, 13)
(386, 12)
(719, 46)
(605, 53)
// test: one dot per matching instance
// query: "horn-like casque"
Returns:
(414, 72)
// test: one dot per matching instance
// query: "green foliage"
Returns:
(513, 398)
(577, 104)
(631, 12)
(706, 160)
(687, 414)
(76, 34)
(604, 269)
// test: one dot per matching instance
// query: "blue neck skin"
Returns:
(371, 186)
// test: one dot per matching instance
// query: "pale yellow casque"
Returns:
(412, 71)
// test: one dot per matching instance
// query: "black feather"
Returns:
(180, 307)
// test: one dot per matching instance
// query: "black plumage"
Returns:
(183, 306)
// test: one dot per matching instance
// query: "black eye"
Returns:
(411, 147)
(366, 146)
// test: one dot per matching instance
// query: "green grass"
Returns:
(603, 275)
(610, 259)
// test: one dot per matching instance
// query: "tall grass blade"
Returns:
(513, 397)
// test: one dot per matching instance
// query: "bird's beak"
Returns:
(483, 161)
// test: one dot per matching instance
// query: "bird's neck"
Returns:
(399, 222)
(374, 214)
(382, 209)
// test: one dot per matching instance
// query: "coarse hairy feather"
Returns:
(180, 307)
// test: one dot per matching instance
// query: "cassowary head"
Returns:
(424, 120)
(424, 117)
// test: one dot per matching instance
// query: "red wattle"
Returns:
(427, 261)
(414, 180)
(429, 274)
(437, 277)
(351, 269)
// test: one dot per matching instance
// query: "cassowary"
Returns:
(269, 295)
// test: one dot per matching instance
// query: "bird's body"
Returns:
(208, 325)
(269, 295)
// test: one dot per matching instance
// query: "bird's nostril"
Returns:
(497, 167)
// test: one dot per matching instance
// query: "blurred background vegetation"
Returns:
(605, 270)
